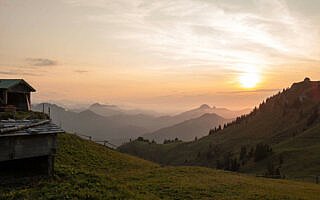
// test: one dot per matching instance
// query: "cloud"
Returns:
(7, 73)
(16, 72)
(207, 32)
(219, 99)
(251, 91)
(81, 71)
(41, 62)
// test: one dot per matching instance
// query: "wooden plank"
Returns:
(34, 146)
(5, 97)
(28, 101)
(19, 127)
(27, 146)
(50, 166)
(6, 149)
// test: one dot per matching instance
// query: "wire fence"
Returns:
(310, 178)
(96, 140)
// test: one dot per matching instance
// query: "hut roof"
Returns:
(27, 127)
(9, 83)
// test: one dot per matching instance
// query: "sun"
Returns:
(249, 77)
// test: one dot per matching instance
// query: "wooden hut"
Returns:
(27, 147)
(15, 94)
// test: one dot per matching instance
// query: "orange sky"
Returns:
(162, 55)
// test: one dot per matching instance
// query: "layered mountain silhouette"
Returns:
(282, 135)
(189, 129)
(109, 122)
(152, 123)
(105, 110)
(90, 123)
(111, 110)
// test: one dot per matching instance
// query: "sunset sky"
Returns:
(162, 55)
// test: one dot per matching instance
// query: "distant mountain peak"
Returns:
(96, 104)
(204, 106)
(103, 105)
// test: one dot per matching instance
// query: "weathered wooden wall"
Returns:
(24, 155)
(26, 146)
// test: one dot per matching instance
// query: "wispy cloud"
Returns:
(208, 33)
(81, 71)
(251, 91)
(219, 99)
(41, 62)
(17, 72)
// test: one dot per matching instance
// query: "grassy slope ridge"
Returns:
(85, 170)
(283, 121)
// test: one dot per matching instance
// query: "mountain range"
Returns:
(90, 123)
(109, 122)
(280, 137)
(111, 110)
(153, 122)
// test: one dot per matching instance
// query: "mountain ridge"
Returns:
(283, 117)
(111, 122)
(187, 130)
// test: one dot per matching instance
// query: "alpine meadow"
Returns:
(146, 99)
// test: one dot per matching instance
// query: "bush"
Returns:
(141, 139)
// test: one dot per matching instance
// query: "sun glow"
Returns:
(250, 77)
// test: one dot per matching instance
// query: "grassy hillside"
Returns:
(85, 170)
(287, 122)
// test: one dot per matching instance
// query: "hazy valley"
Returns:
(111, 123)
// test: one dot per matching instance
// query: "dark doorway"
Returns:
(19, 100)
(27, 167)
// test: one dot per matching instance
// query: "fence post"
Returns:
(317, 179)
(49, 112)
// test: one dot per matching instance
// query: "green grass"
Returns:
(23, 115)
(85, 170)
